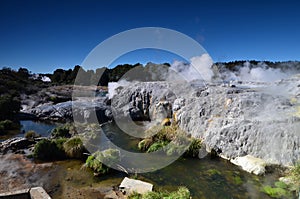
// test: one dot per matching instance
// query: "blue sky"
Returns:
(45, 35)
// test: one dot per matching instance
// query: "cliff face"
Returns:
(262, 120)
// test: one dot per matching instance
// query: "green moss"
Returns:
(212, 172)
(52, 98)
(275, 192)
(237, 180)
(280, 184)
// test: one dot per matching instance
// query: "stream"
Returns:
(211, 178)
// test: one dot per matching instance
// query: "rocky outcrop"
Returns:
(49, 95)
(56, 103)
(16, 145)
(81, 109)
(257, 119)
(151, 101)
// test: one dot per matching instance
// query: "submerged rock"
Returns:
(250, 164)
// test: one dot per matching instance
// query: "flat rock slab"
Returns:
(18, 194)
(38, 193)
(138, 186)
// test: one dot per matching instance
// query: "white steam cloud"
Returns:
(200, 68)
(256, 73)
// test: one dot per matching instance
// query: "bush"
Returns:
(6, 125)
(110, 157)
(181, 193)
(31, 135)
(174, 148)
(49, 150)
(156, 146)
(74, 148)
(175, 140)
(93, 163)
(145, 144)
(194, 148)
(61, 132)
(294, 176)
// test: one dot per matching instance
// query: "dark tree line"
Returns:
(12, 84)
(100, 76)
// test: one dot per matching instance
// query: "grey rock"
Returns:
(257, 119)
(16, 144)
(84, 111)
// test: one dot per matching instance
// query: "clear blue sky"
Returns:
(45, 35)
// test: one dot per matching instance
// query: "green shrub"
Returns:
(74, 148)
(49, 150)
(173, 148)
(110, 157)
(93, 163)
(145, 144)
(295, 173)
(31, 135)
(181, 193)
(194, 148)
(154, 195)
(61, 132)
(7, 125)
(212, 172)
(175, 140)
(156, 146)
(135, 195)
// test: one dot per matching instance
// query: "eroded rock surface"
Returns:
(257, 119)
